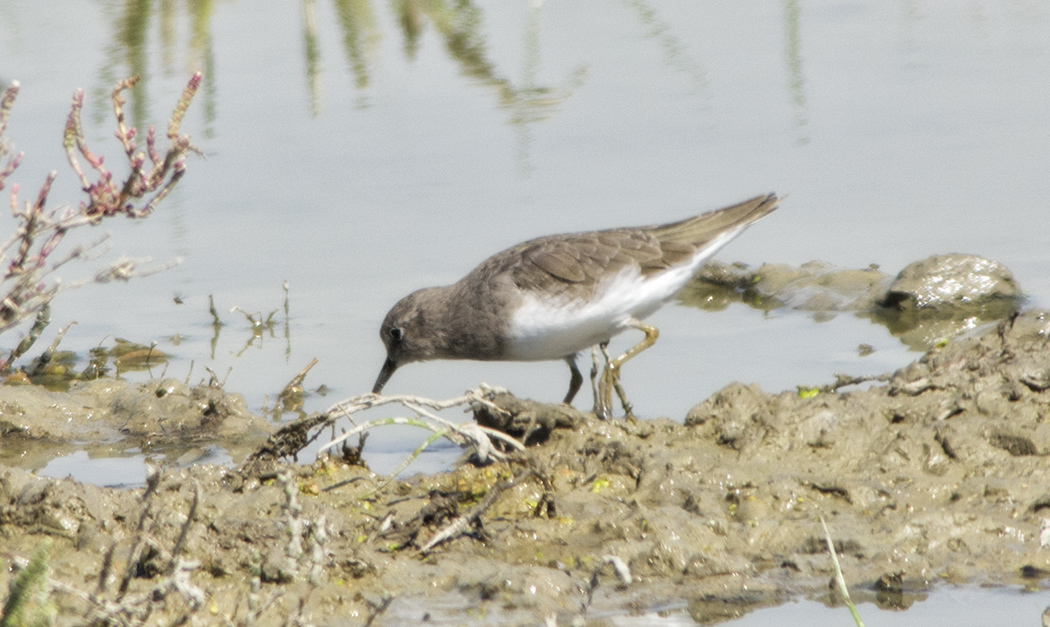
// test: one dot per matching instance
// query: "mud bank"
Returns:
(110, 415)
(935, 473)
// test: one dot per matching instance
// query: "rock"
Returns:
(950, 281)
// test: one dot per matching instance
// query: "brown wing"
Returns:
(576, 263)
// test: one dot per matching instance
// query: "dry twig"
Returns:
(291, 439)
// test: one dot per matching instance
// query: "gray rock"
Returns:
(950, 281)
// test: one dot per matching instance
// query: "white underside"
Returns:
(546, 329)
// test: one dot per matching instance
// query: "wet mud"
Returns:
(105, 416)
(933, 474)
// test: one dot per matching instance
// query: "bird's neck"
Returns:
(467, 326)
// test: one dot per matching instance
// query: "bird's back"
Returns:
(580, 262)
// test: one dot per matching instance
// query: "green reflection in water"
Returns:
(676, 53)
(361, 37)
(793, 56)
(312, 55)
(458, 25)
(129, 54)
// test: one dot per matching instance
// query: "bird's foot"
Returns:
(628, 413)
(603, 403)
(603, 408)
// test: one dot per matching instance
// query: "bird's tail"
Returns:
(700, 229)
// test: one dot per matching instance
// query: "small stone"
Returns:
(953, 280)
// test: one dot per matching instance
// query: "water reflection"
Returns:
(460, 26)
(312, 55)
(409, 16)
(676, 53)
(460, 29)
(260, 325)
(129, 54)
(793, 57)
(360, 37)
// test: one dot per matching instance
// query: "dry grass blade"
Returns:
(839, 579)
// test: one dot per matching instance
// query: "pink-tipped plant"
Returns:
(28, 257)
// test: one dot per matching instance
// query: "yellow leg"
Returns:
(618, 388)
(611, 375)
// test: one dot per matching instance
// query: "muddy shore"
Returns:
(935, 473)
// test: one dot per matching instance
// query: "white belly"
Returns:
(546, 329)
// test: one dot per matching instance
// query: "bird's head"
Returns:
(406, 334)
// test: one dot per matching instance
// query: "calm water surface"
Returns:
(951, 607)
(359, 150)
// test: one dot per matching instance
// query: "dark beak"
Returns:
(389, 366)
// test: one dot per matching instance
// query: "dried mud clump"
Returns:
(36, 423)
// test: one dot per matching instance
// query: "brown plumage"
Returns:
(477, 317)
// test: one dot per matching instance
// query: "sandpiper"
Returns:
(551, 297)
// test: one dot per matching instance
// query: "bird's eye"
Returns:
(397, 333)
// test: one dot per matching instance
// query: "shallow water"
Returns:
(944, 607)
(359, 153)
(948, 607)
